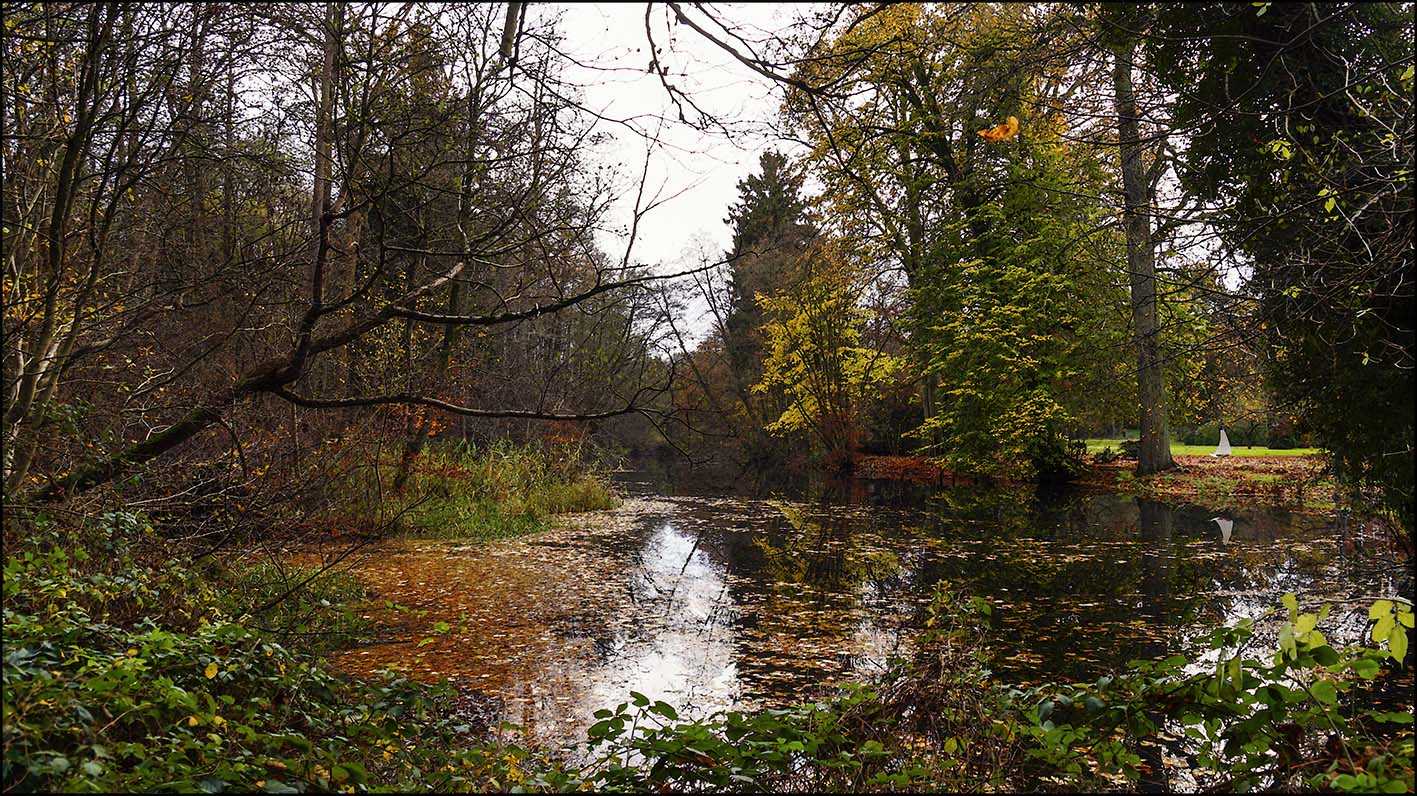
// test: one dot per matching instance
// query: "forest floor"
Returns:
(1295, 482)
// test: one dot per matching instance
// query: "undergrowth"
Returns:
(462, 491)
(129, 668)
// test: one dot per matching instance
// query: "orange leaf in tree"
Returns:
(1008, 129)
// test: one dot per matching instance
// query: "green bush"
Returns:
(1301, 717)
(125, 672)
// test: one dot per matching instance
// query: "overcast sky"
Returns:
(702, 167)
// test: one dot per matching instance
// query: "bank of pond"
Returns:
(883, 638)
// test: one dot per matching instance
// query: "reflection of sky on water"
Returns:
(712, 603)
(680, 649)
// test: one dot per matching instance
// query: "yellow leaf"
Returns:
(132, 651)
(211, 670)
(1008, 129)
(193, 721)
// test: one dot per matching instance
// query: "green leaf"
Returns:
(1324, 691)
(1394, 717)
(1382, 628)
(1366, 668)
(1286, 639)
(1379, 609)
(355, 771)
(1291, 602)
(1324, 655)
(1397, 643)
(1235, 673)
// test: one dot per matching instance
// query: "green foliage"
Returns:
(460, 491)
(1302, 716)
(640, 747)
(125, 672)
(294, 603)
(1017, 333)
(1312, 171)
(129, 671)
(813, 333)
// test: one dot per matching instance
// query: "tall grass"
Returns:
(462, 491)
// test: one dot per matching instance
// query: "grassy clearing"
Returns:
(1295, 482)
(1177, 449)
(460, 491)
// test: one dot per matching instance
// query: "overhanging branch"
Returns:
(542, 309)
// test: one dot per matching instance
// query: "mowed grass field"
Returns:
(1177, 449)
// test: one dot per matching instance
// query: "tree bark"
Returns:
(1154, 454)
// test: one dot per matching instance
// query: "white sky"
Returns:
(705, 167)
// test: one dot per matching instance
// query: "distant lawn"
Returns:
(1177, 449)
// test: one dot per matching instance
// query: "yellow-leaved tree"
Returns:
(814, 354)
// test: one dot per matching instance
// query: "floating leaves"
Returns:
(714, 603)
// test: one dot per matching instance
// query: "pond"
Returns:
(712, 601)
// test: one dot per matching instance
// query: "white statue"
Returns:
(1223, 449)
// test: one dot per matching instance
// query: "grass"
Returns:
(1177, 449)
(462, 492)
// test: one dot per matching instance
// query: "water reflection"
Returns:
(710, 602)
(680, 647)
(1227, 528)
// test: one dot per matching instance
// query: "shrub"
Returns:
(188, 697)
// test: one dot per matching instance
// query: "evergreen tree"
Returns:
(770, 231)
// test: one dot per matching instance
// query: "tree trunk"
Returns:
(1154, 454)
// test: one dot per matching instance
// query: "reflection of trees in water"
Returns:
(820, 550)
(807, 607)
(1088, 577)
(1085, 582)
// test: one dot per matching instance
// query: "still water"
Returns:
(710, 602)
